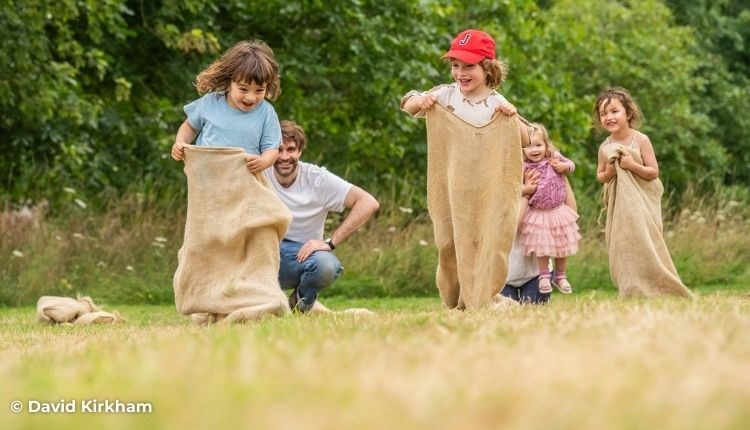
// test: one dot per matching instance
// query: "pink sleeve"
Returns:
(571, 165)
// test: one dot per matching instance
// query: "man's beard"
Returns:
(287, 170)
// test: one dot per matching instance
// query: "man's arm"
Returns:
(362, 206)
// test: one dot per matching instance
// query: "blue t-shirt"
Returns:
(219, 124)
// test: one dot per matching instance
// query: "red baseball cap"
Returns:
(472, 46)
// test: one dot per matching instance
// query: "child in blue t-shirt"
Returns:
(233, 111)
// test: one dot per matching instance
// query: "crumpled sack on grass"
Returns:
(80, 311)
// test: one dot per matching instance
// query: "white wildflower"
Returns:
(405, 210)
(79, 236)
(69, 190)
(422, 242)
(129, 268)
(80, 203)
(160, 239)
(391, 229)
(17, 253)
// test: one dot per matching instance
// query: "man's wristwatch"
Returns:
(329, 242)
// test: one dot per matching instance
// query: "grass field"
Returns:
(587, 361)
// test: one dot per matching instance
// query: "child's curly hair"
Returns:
(496, 71)
(623, 96)
(245, 62)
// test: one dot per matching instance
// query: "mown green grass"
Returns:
(590, 360)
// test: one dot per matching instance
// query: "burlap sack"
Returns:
(228, 266)
(639, 260)
(319, 308)
(51, 309)
(473, 182)
(99, 317)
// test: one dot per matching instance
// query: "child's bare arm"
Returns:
(185, 135)
(561, 164)
(605, 170)
(649, 170)
(413, 104)
(530, 182)
(259, 163)
(507, 108)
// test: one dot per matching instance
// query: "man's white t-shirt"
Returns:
(314, 193)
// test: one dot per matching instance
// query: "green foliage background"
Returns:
(91, 91)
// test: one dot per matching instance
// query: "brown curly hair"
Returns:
(290, 131)
(623, 96)
(245, 62)
(496, 71)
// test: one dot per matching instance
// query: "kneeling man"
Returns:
(307, 262)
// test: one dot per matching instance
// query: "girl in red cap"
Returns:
(472, 199)
(477, 73)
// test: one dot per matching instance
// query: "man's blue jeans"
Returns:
(526, 293)
(320, 270)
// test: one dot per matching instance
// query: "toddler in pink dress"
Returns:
(549, 227)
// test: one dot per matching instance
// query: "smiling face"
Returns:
(471, 78)
(614, 117)
(537, 149)
(245, 97)
(286, 164)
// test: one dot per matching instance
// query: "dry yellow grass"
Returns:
(587, 361)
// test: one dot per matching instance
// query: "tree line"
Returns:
(91, 92)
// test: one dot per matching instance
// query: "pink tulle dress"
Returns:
(549, 226)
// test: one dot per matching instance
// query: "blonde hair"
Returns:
(496, 71)
(536, 127)
(623, 96)
(245, 62)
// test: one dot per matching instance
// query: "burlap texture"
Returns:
(52, 309)
(99, 317)
(228, 266)
(639, 260)
(473, 183)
